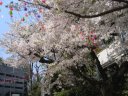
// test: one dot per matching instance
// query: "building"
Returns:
(12, 81)
(115, 52)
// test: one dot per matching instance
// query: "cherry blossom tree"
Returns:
(67, 29)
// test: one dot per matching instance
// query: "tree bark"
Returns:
(99, 66)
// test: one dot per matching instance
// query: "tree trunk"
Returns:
(31, 74)
(107, 89)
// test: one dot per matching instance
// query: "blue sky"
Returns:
(4, 19)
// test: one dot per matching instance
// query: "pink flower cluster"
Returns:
(89, 38)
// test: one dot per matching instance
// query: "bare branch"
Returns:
(85, 16)
(100, 14)
(123, 1)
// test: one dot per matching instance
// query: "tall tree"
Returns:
(68, 28)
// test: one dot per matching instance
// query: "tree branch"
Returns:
(97, 15)
(123, 1)
(85, 16)
(39, 4)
